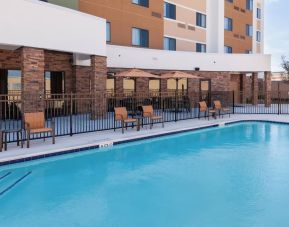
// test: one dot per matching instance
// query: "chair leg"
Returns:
(21, 138)
(17, 139)
(53, 137)
(28, 138)
(1, 141)
(122, 127)
(5, 141)
(151, 123)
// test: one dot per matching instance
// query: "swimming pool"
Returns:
(236, 175)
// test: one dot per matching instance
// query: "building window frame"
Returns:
(249, 5)
(228, 24)
(259, 13)
(108, 31)
(170, 44)
(258, 36)
(201, 48)
(170, 11)
(143, 3)
(228, 49)
(201, 20)
(249, 30)
(142, 39)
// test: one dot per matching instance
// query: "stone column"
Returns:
(267, 86)
(255, 88)
(244, 87)
(32, 80)
(163, 85)
(82, 79)
(119, 85)
(193, 91)
(142, 86)
(98, 86)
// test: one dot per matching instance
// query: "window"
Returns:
(259, 13)
(180, 84)
(128, 85)
(144, 3)
(201, 48)
(249, 5)
(258, 36)
(228, 24)
(140, 37)
(170, 11)
(108, 32)
(54, 82)
(249, 30)
(228, 49)
(201, 20)
(169, 43)
(154, 85)
(110, 84)
(10, 81)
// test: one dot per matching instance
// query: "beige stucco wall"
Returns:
(184, 28)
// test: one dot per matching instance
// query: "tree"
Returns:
(285, 66)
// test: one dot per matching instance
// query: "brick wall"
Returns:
(10, 59)
(82, 79)
(62, 62)
(142, 86)
(32, 80)
(98, 85)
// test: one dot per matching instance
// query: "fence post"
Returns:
(176, 106)
(70, 114)
(279, 99)
(233, 102)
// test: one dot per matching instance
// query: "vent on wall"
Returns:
(192, 28)
(155, 14)
(180, 25)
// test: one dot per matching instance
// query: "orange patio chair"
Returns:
(35, 124)
(120, 114)
(218, 107)
(148, 112)
(203, 108)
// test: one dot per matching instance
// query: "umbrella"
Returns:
(177, 75)
(136, 73)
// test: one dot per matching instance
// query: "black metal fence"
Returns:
(81, 113)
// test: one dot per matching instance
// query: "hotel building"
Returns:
(75, 46)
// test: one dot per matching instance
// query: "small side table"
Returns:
(139, 121)
(4, 134)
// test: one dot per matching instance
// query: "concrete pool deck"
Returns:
(95, 139)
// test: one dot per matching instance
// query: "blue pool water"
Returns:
(236, 175)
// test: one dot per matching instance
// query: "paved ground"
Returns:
(40, 147)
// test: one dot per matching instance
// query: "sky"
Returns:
(277, 31)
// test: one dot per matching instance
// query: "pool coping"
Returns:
(82, 148)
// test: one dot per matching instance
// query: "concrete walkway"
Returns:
(40, 147)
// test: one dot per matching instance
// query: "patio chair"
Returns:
(35, 124)
(121, 114)
(218, 107)
(203, 108)
(148, 112)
